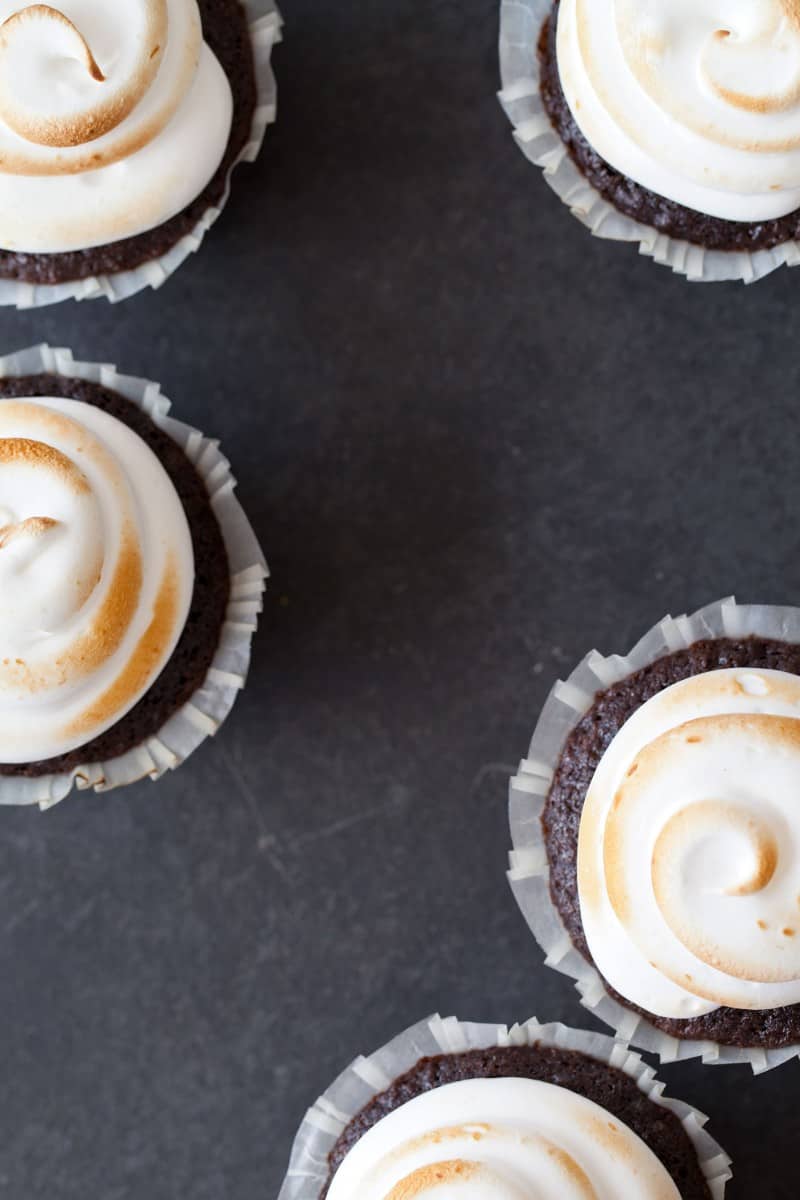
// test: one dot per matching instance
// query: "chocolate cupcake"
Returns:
(130, 580)
(665, 124)
(120, 126)
(654, 825)
(475, 1110)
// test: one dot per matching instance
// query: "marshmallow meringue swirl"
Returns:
(697, 100)
(501, 1139)
(96, 574)
(689, 847)
(113, 117)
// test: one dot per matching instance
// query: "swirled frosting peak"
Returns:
(689, 847)
(96, 574)
(697, 100)
(501, 1139)
(113, 117)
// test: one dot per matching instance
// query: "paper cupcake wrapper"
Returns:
(529, 873)
(265, 24)
(520, 25)
(364, 1078)
(202, 716)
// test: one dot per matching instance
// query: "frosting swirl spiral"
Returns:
(688, 847)
(112, 119)
(96, 574)
(501, 1139)
(697, 100)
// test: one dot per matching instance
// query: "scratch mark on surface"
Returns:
(344, 823)
(17, 918)
(489, 769)
(266, 843)
(75, 919)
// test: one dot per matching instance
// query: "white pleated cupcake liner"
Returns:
(529, 873)
(365, 1077)
(520, 26)
(265, 23)
(202, 716)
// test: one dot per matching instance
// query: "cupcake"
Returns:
(120, 125)
(676, 126)
(130, 580)
(479, 1110)
(655, 833)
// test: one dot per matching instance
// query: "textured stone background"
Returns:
(475, 442)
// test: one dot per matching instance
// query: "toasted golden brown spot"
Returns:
(27, 452)
(116, 99)
(777, 102)
(451, 1132)
(685, 829)
(580, 1181)
(111, 105)
(144, 660)
(114, 616)
(33, 527)
(426, 1178)
(608, 1134)
(45, 11)
(97, 643)
(791, 9)
(692, 823)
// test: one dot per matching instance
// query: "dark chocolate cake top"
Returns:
(630, 1116)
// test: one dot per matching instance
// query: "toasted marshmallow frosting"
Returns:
(689, 847)
(501, 1139)
(113, 117)
(697, 100)
(96, 574)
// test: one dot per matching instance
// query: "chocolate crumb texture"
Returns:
(607, 1086)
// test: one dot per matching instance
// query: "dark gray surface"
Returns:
(475, 442)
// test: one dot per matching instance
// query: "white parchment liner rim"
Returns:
(264, 21)
(529, 873)
(210, 704)
(520, 25)
(365, 1077)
